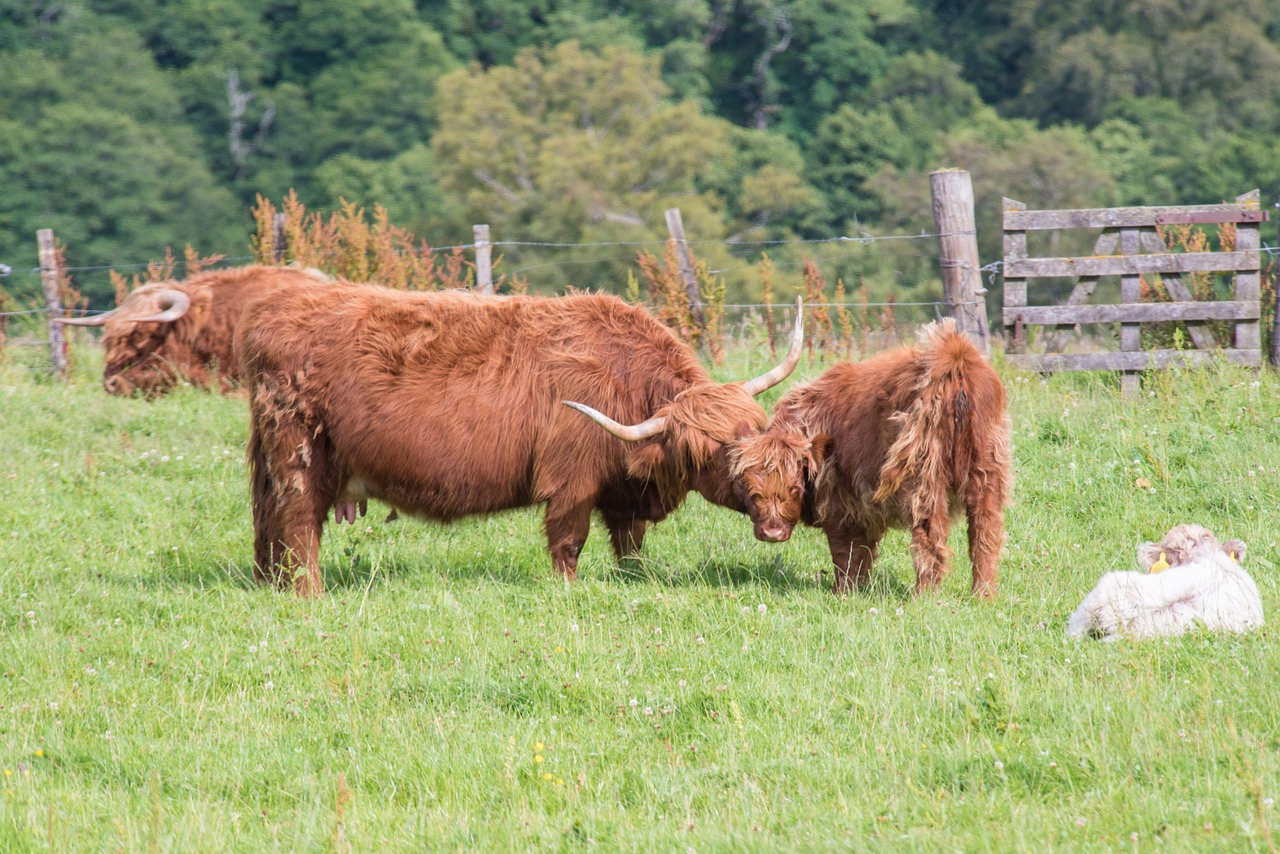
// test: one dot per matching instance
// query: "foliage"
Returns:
(130, 126)
(164, 270)
(348, 246)
(449, 693)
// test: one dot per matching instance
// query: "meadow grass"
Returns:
(450, 693)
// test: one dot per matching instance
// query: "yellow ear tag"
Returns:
(1160, 565)
(1233, 556)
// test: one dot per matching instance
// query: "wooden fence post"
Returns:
(958, 250)
(484, 259)
(278, 240)
(1274, 356)
(50, 280)
(675, 227)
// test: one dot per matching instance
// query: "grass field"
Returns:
(451, 694)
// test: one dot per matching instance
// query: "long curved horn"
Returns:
(782, 371)
(179, 303)
(95, 320)
(633, 433)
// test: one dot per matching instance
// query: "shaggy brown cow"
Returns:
(167, 332)
(904, 439)
(448, 404)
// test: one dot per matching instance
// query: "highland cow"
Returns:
(164, 333)
(1189, 579)
(906, 439)
(448, 404)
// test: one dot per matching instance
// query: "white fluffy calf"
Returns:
(1203, 584)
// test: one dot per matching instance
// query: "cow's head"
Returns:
(690, 436)
(1185, 544)
(135, 335)
(772, 472)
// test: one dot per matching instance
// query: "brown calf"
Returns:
(907, 439)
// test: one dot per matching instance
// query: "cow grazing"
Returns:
(1188, 579)
(168, 332)
(905, 439)
(448, 404)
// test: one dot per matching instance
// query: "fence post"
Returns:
(1274, 357)
(278, 240)
(49, 281)
(484, 259)
(675, 227)
(958, 251)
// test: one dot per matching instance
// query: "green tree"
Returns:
(572, 145)
(901, 121)
(114, 192)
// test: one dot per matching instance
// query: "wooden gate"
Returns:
(1130, 248)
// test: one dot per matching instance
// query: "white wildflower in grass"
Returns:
(762, 608)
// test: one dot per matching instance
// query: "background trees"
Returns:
(129, 125)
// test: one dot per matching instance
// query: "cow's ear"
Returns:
(1148, 554)
(1235, 548)
(819, 447)
(744, 429)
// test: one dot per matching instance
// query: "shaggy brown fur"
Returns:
(905, 439)
(153, 357)
(448, 404)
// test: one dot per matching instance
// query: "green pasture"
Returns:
(450, 694)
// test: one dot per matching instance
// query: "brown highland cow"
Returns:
(169, 332)
(448, 404)
(906, 439)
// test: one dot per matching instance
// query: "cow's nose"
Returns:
(775, 533)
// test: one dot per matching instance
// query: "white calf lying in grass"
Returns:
(1190, 579)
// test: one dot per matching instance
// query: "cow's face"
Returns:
(1185, 544)
(771, 473)
(134, 358)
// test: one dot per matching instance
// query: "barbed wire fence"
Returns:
(956, 258)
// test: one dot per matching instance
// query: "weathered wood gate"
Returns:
(1130, 248)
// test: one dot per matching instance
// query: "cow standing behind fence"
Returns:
(170, 332)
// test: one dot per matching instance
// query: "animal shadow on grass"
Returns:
(773, 572)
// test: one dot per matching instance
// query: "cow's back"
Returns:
(449, 403)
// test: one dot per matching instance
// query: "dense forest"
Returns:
(132, 125)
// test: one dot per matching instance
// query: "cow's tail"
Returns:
(938, 425)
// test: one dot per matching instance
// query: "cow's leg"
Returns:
(567, 522)
(853, 551)
(985, 511)
(312, 487)
(295, 483)
(268, 541)
(929, 550)
(626, 534)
